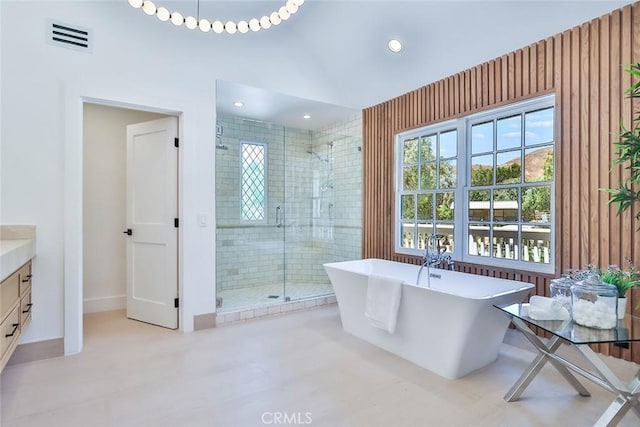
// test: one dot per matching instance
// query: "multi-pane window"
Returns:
(428, 187)
(253, 181)
(511, 181)
(486, 182)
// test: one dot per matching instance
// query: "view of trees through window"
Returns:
(533, 199)
(428, 185)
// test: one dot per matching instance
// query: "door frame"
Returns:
(73, 199)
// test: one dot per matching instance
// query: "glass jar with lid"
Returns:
(561, 291)
(594, 304)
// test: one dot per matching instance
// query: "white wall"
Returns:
(43, 88)
(0, 116)
(104, 203)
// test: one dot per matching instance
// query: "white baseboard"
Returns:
(96, 305)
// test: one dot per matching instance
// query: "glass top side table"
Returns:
(627, 330)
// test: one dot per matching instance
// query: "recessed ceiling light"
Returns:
(238, 104)
(394, 45)
(306, 116)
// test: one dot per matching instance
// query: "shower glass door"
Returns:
(250, 214)
(310, 209)
(287, 201)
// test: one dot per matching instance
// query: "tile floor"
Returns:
(263, 296)
(301, 364)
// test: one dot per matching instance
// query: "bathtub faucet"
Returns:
(434, 252)
(434, 256)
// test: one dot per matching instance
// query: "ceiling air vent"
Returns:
(69, 36)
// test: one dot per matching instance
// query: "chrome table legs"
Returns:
(546, 354)
(627, 395)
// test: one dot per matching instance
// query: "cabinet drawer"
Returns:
(25, 278)
(9, 294)
(9, 331)
(25, 310)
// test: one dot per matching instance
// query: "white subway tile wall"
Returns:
(319, 197)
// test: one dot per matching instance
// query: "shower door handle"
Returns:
(278, 217)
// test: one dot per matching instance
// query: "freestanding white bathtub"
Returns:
(450, 328)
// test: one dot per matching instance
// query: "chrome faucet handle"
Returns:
(451, 264)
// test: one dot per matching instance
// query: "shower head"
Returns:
(313, 153)
(317, 156)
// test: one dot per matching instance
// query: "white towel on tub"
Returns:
(383, 301)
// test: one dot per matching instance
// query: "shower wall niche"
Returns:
(311, 200)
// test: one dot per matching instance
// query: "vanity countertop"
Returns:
(17, 246)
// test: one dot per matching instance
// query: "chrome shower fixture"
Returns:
(317, 156)
(221, 147)
(219, 144)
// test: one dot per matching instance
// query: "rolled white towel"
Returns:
(538, 313)
(544, 308)
(545, 302)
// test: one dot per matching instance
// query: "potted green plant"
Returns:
(623, 280)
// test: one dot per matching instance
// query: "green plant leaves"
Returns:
(628, 154)
(634, 90)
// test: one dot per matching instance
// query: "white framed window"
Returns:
(253, 182)
(503, 186)
(427, 186)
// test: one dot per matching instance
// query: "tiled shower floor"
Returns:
(266, 295)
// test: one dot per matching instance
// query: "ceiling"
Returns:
(272, 107)
(344, 63)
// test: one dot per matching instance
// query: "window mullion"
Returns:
(460, 214)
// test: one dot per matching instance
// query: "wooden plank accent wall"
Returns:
(584, 67)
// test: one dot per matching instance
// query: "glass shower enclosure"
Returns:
(287, 201)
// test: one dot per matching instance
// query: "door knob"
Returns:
(128, 232)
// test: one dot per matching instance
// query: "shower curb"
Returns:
(235, 317)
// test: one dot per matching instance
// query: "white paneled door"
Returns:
(152, 221)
